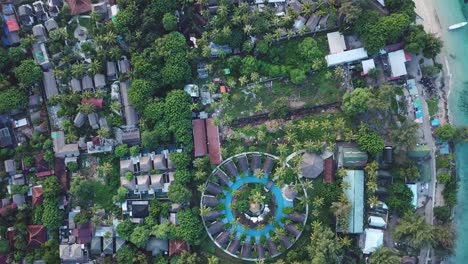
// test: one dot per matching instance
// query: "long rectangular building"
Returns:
(214, 145)
(199, 137)
(355, 194)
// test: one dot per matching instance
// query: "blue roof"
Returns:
(444, 149)
(419, 114)
(355, 194)
(435, 122)
(411, 86)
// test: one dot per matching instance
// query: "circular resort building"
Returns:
(248, 212)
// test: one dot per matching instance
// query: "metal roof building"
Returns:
(355, 194)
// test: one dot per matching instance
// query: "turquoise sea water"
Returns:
(456, 44)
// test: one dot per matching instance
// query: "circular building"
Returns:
(250, 214)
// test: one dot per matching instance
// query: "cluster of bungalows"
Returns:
(245, 164)
(145, 177)
(206, 139)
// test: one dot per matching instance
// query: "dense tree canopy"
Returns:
(323, 247)
(400, 197)
(384, 255)
(190, 228)
(28, 73)
(12, 99)
(356, 102)
(369, 140)
(446, 132)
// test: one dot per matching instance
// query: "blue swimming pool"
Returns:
(254, 232)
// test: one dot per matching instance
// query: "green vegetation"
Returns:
(432, 104)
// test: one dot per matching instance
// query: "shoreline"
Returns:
(429, 19)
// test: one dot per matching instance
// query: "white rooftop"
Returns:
(373, 240)
(336, 42)
(397, 61)
(414, 189)
(367, 65)
(346, 57)
(377, 221)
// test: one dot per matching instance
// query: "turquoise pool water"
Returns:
(254, 232)
(456, 43)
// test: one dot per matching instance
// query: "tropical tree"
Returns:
(86, 108)
(204, 211)
(413, 229)
(78, 70)
(323, 246)
(384, 255)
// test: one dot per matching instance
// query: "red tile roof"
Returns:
(37, 235)
(45, 173)
(83, 234)
(79, 6)
(176, 247)
(6, 209)
(199, 137)
(214, 145)
(37, 195)
(96, 102)
(11, 23)
(329, 170)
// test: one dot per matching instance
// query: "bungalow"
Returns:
(87, 83)
(131, 118)
(72, 253)
(111, 71)
(346, 57)
(260, 251)
(37, 235)
(284, 240)
(212, 215)
(313, 22)
(367, 65)
(50, 84)
(292, 230)
(373, 240)
(37, 195)
(79, 119)
(216, 228)
(397, 60)
(139, 210)
(83, 233)
(159, 162)
(124, 65)
(126, 166)
(268, 165)
(41, 56)
(234, 247)
(99, 81)
(355, 194)
(10, 167)
(145, 164)
(157, 182)
(11, 30)
(143, 182)
(210, 201)
(199, 137)
(39, 32)
(25, 15)
(129, 184)
(217, 49)
(79, 6)
(39, 11)
(61, 149)
(101, 9)
(246, 249)
(297, 217)
(351, 157)
(214, 145)
(5, 137)
(231, 168)
(75, 85)
(18, 199)
(53, 6)
(157, 246)
(243, 164)
(177, 247)
(272, 248)
(93, 120)
(222, 177)
(18, 179)
(213, 188)
(255, 162)
(311, 165)
(223, 238)
(336, 42)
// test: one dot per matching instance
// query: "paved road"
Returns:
(413, 68)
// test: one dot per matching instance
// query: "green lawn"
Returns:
(432, 104)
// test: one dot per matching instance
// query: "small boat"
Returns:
(458, 25)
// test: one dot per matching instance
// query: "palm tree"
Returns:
(254, 76)
(201, 188)
(104, 169)
(345, 241)
(103, 133)
(78, 70)
(248, 29)
(87, 94)
(222, 10)
(59, 34)
(414, 230)
(352, 11)
(259, 173)
(85, 108)
(318, 202)
(95, 67)
(213, 260)
(373, 200)
(243, 80)
(200, 175)
(204, 211)
(71, 137)
(257, 197)
(116, 107)
(110, 38)
(384, 255)
(302, 30)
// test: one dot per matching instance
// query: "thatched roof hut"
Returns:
(311, 165)
(231, 168)
(213, 188)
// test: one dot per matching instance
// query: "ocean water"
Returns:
(456, 44)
